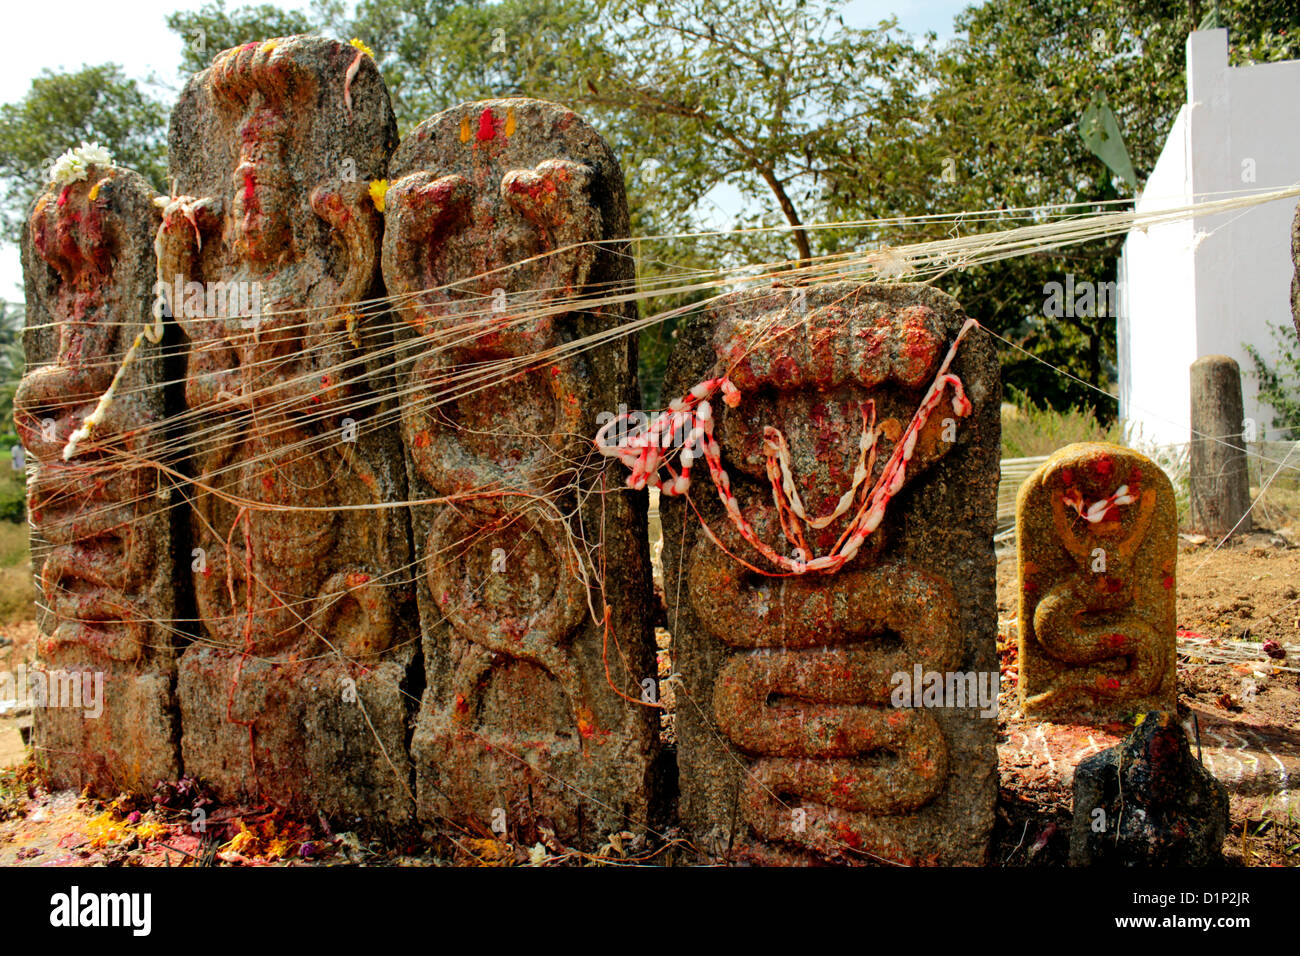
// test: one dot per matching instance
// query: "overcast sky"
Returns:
(85, 32)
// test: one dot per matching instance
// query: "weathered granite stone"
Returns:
(1295, 278)
(495, 211)
(1218, 480)
(101, 520)
(1148, 802)
(793, 743)
(1097, 532)
(295, 691)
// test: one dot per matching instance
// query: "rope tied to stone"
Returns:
(643, 451)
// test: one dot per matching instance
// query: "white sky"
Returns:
(137, 38)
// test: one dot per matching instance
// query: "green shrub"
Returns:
(1280, 386)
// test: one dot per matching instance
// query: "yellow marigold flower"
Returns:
(152, 831)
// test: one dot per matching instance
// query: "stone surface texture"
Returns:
(1158, 805)
(1218, 480)
(498, 215)
(1097, 533)
(1295, 278)
(102, 535)
(295, 691)
(791, 750)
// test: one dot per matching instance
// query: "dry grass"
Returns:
(1029, 430)
(17, 593)
(1277, 508)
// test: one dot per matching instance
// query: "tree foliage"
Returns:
(12, 320)
(758, 95)
(60, 111)
(999, 129)
(210, 29)
(1279, 385)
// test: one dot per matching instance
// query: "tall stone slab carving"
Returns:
(295, 691)
(500, 216)
(854, 465)
(1097, 532)
(101, 514)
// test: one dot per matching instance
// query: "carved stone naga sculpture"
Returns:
(99, 501)
(269, 248)
(501, 216)
(1097, 531)
(842, 538)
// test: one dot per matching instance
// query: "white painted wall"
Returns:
(1205, 286)
(1157, 304)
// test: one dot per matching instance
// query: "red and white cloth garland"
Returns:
(644, 452)
(1106, 509)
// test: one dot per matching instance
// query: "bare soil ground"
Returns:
(17, 644)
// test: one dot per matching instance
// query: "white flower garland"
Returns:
(71, 166)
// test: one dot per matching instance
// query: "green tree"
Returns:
(1000, 130)
(757, 95)
(435, 55)
(211, 29)
(12, 321)
(753, 99)
(13, 487)
(96, 103)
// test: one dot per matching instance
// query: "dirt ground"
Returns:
(1233, 602)
(17, 644)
